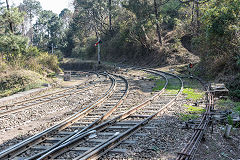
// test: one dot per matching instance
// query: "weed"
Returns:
(173, 86)
(237, 109)
(159, 84)
(230, 119)
(193, 95)
(227, 104)
(152, 77)
(186, 117)
(51, 75)
(192, 109)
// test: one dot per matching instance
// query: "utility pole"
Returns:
(52, 48)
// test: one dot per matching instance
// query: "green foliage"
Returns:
(193, 95)
(234, 87)
(187, 117)
(169, 12)
(48, 31)
(21, 80)
(12, 46)
(42, 63)
(193, 109)
(221, 17)
(159, 84)
(10, 16)
(230, 119)
(237, 109)
(31, 7)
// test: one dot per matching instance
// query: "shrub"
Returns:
(234, 87)
(49, 61)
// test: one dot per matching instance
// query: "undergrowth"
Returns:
(192, 109)
(21, 80)
(159, 84)
(192, 94)
(187, 117)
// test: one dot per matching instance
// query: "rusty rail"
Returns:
(190, 149)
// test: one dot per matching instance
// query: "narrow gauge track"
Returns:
(97, 141)
(188, 152)
(28, 103)
(92, 114)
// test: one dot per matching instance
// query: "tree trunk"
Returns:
(110, 15)
(198, 23)
(10, 23)
(193, 6)
(31, 29)
(157, 23)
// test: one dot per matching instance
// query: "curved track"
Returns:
(102, 138)
(81, 121)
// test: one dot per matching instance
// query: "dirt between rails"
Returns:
(167, 138)
(162, 142)
(21, 125)
(66, 107)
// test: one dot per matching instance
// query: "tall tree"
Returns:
(48, 30)
(110, 14)
(66, 17)
(10, 23)
(32, 9)
(157, 21)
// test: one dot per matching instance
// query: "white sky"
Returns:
(55, 5)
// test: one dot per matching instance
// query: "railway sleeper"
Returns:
(115, 150)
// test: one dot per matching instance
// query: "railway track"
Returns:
(188, 152)
(81, 121)
(28, 103)
(97, 141)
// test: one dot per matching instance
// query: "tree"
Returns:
(10, 19)
(48, 30)
(10, 23)
(32, 9)
(66, 17)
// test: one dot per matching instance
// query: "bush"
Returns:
(49, 61)
(234, 87)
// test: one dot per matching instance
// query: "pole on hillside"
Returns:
(52, 48)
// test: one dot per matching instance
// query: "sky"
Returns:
(55, 5)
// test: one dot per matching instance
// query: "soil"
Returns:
(164, 141)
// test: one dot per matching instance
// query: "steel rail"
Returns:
(14, 110)
(43, 96)
(99, 120)
(188, 152)
(104, 147)
(70, 144)
(24, 145)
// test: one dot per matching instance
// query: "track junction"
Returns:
(101, 127)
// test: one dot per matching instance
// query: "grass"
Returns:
(159, 84)
(186, 117)
(191, 83)
(173, 86)
(228, 104)
(192, 109)
(152, 77)
(18, 81)
(192, 94)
